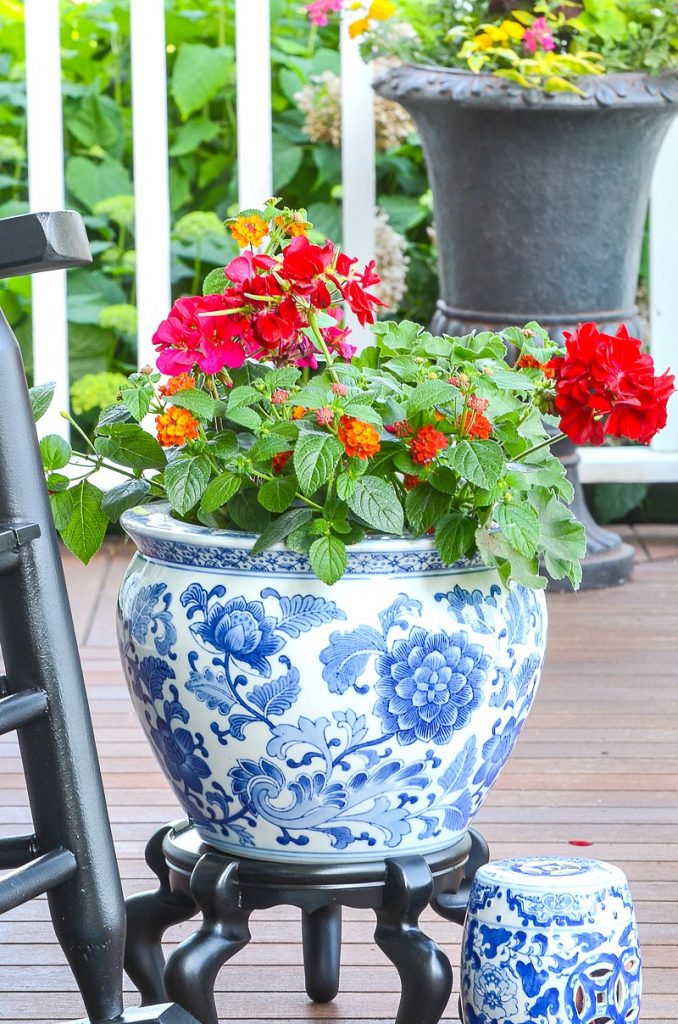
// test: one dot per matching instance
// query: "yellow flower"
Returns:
(250, 230)
(381, 10)
(358, 27)
(512, 29)
(483, 41)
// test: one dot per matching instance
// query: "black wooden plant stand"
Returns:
(69, 855)
(227, 890)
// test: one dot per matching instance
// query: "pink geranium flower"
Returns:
(189, 338)
(319, 11)
(538, 35)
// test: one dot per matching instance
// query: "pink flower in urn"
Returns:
(319, 11)
(538, 36)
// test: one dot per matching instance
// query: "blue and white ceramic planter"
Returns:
(550, 941)
(296, 721)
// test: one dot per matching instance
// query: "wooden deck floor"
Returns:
(597, 763)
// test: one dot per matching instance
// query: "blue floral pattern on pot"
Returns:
(550, 941)
(297, 721)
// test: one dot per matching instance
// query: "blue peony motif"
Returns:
(428, 684)
(242, 630)
(496, 752)
(495, 994)
(177, 750)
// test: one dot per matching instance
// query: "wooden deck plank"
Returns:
(598, 761)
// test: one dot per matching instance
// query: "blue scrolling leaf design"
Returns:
(154, 673)
(278, 696)
(456, 777)
(211, 688)
(346, 658)
(402, 604)
(303, 612)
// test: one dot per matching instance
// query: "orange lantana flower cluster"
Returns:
(181, 382)
(426, 444)
(360, 440)
(528, 362)
(175, 427)
(279, 461)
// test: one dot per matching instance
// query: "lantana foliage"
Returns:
(271, 423)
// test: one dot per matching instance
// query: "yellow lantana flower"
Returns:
(381, 10)
(250, 230)
(358, 27)
(512, 29)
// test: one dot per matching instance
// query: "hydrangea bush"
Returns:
(261, 416)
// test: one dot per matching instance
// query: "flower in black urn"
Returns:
(242, 630)
(428, 685)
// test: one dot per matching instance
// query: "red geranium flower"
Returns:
(605, 385)
(303, 261)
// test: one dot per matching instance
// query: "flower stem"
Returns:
(313, 324)
(542, 444)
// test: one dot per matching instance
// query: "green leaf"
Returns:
(90, 182)
(117, 413)
(62, 508)
(563, 541)
(277, 495)
(137, 401)
(495, 550)
(125, 495)
(244, 417)
(189, 136)
(266, 447)
(86, 528)
(186, 480)
(479, 462)
(246, 512)
(57, 482)
(55, 452)
(376, 502)
(510, 380)
(197, 402)
(365, 413)
(215, 282)
(520, 523)
(345, 486)
(424, 507)
(41, 398)
(129, 445)
(312, 397)
(428, 395)
(220, 491)
(199, 73)
(282, 527)
(328, 558)
(315, 459)
(455, 536)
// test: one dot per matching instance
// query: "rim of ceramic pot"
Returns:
(522, 874)
(410, 82)
(159, 535)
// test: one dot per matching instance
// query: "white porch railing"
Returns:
(255, 165)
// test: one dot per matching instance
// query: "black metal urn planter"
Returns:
(539, 201)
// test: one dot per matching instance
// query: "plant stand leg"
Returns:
(425, 972)
(149, 915)
(191, 971)
(321, 933)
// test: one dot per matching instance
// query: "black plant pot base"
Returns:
(226, 890)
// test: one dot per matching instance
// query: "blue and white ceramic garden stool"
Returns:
(550, 940)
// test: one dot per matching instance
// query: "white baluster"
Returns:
(46, 193)
(358, 160)
(151, 174)
(254, 112)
